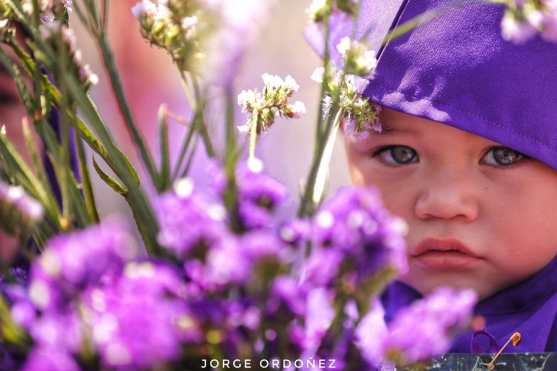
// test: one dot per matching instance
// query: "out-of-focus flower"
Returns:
(259, 196)
(49, 359)
(71, 262)
(137, 319)
(425, 329)
(524, 19)
(18, 211)
(208, 38)
(371, 329)
(233, 260)
(355, 233)
(264, 107)
(318, 9)
(189, 219)
(318, 317)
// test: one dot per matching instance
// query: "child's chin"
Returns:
(427, 285)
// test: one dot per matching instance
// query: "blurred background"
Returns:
(151, 79)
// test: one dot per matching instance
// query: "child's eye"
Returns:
(502, 156)
(397, 155)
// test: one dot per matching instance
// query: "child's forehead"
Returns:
(395, 123)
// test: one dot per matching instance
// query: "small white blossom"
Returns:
(247, 99)
(344, 46)
(318, 9)
(318, 74)
(291, 84)
(272, 81)
(298, 109)
(144, 7)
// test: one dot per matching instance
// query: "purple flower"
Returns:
(287, 293)
(189, 219)
(295, 232)
(425, 329)
(75, 260)
(139, 318)
(318, 317)
(371, 329)
(233, 259)
(353, 230)
(49, 359)
(259, 195)
(58, 330)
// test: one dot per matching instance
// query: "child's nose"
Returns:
(447, 197)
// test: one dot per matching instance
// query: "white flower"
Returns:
(88, 75)
(144, 7)
(318, 8)
(291, 84)
(318, 74)
(298, 109)
(344, 45)
(272, 82)
(516, 31)
(247, 99)
(189, 22)
(368, 60)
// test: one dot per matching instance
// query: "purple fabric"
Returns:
(457, 69)
(529, 307)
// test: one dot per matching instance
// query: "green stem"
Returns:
(230, 129)
(306, 204)
(90, 203)
(200, 107)
(123, 105)
(324, 82)
(184, 148)
(324, 164)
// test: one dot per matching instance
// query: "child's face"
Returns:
(497, 208)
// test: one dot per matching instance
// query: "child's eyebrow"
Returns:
(385, 129)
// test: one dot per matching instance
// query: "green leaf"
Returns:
(164, 175)
(110, 181)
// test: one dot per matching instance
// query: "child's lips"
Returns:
(444, 254)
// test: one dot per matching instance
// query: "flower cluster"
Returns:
(360, 115)
(208, 38)
(350, 231)
(525, 18)
(264, 107)
(426, 327)
(85, 289)
(175, 26)
(18, 211)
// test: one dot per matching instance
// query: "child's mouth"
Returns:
(444, 254)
